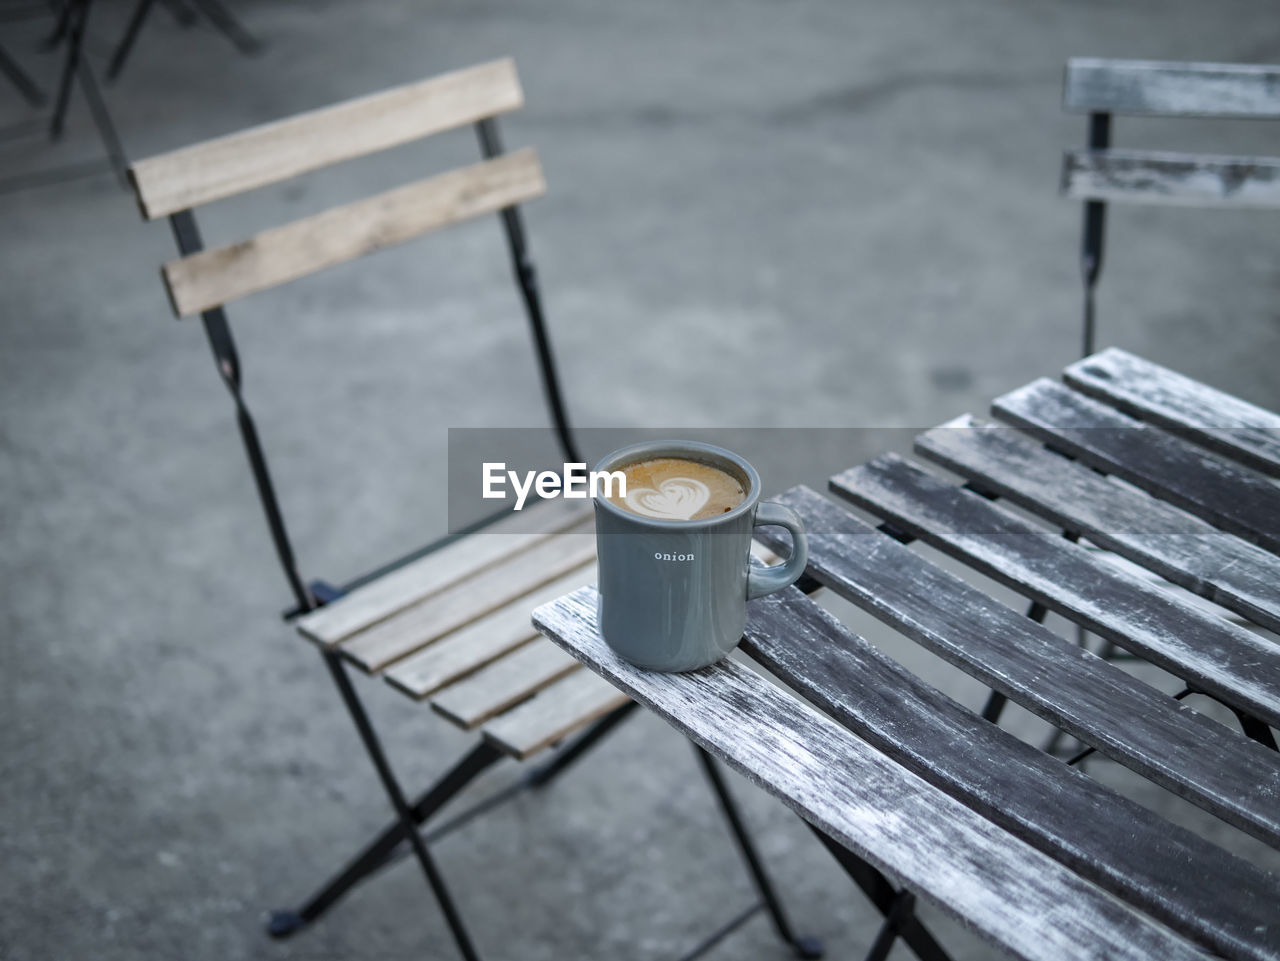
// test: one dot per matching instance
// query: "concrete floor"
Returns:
(760, 215)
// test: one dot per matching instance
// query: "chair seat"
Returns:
(453, 629)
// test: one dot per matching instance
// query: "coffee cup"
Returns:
(674, 554)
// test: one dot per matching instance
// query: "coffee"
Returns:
(675, 489)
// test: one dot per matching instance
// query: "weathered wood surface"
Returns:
(1018, 897)
(272, 152)
(487, 591)
(1229, 495)
(1171, 89)
(553, 713)
(1210, 417)
(504, 683)
(481, 642)
(1222, 902)
(1184, 549)
(450, 564)
(1161, 177)
(1228, 662)
(1149, 732)
(213, 277)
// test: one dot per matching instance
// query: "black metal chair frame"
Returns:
(390, 845)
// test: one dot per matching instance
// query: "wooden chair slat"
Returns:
(1228, 495)
(1221, 901)
(1149, 732)
(447, 565)
(1153, 393)
(1229, 662)
(1034, 907)
(553, 714)
(480, 642)
(277, 151)
(504, 683)
(1183, 549)
(1171, 89)
(1161, 177)
(442, 613)
(213, 277)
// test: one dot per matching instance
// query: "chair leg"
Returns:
(897, 905)
(544, 775)
(382, 851)
(804, 946)
(378, 853)
(102, 120)
(225, 21)
(401, 806)
(182, 14)
(61, 28)
(19, 78)
(130, 35)
(74, 13)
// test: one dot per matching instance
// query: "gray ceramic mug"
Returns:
(673, 594)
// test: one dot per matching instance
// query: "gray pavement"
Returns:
(760, 215)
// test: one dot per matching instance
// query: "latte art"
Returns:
(677, 499)
(675, 489)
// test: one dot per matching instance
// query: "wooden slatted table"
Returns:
(1144, 465)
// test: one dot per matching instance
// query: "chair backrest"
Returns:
(244, 161)
(1141, 88)
(202, 281)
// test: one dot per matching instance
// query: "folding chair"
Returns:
(1143, 88)
(450, 623)
(1100, 174)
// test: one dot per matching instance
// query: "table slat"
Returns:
(1222, 901)
(1150, 392)
(480, 642)
(504, 683)
(1232, 496)
(553, 713)
(1003, 888)
(1229, 662)
(1149, 732)
(1186, 550)
(449, 564)
(490, 589)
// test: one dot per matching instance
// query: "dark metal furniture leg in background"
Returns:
(225, 21)
(182, 14)
(61, 28)
(18, 77)
(76, 12)
(121, 54)
(804, 947)
(102, 120)
(897, 905)
(401, 806)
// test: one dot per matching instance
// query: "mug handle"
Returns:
(766, 580)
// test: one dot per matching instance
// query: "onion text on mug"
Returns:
(573, 483)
